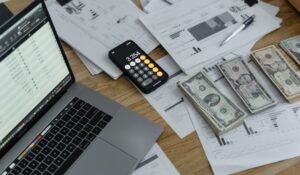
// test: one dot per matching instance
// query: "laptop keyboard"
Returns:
(61, 142)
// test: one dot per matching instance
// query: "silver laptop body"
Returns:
(120, 145)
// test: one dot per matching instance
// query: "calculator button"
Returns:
(142, 65)
(142, 57)
(127, 67)
(146, 68)
(150, 73)
(151, 65)
(159, 74)
(155, 69)
(137, 60)
(132, 63)
(145, 76)
(154, 77)
(136, 68)
(131, 71)
(135, 75)
(147, 82)
(141, 72)
(147, 61)
(140, 79)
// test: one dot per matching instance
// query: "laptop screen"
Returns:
(33, 71)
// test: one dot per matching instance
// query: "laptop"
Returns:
(49, 124)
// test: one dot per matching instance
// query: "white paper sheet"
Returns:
(92, 68)
(156, 163)
(93, 27)
(178, 27)
(169, 102)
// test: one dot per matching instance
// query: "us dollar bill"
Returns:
(292, 47)
(277, 69)
(220, 113)
(244, 83)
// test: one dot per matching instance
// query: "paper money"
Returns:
(244, 83)
(292, 47)
(277, 69)
(221, 114)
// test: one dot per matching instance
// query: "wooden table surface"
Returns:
(186, 154)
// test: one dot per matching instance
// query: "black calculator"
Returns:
(138, 66)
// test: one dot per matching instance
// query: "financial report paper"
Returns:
(266, 137)
(192, 30)
(94, 27)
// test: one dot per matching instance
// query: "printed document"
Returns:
(192, 30)
(155, 163)
(93, 27)
(266, 137)
(169, 102)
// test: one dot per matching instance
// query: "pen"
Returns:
(245, 24)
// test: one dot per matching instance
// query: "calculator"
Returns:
(143, 71)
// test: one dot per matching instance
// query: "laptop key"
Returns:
(84, 121)
(88, 128)
(54, 130)
(46, 150)
(52, 144)
(71, 147)
(67, 140)
(73, 133)
(78, 127)
(79, 104)
(52, 168)
(93, 111)
(82, 134)
(70, 125)
(23, 163)
(58, 137)
(42, 167)
(29, 157)
(75, 118)
(76, 140)
(87, 107)
(36, 173)
(49, 136)
(102, 124)
(58, 161)
(96, 119)
(91, 137)
(64, 131)
(107, 118)
(61, 146)
(66, 117)
(65, 154)
(42, 143)
(84, 144)
(40, 157)
(60, 124)
(36, 149)
(33, 164)
(54, 153)
(27, 171)
(72, 158)
(16, 170)
(97, 130)
(48, 160)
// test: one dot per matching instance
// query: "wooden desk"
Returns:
(186, 154)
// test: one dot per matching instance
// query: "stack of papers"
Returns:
(94, 27)
(192, 30)
(155, 163)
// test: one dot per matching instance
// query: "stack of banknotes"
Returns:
(223, 114)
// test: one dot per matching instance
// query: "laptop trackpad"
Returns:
(101, 158)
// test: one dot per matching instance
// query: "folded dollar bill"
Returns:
(244, 83)
(292, 47)
(278, 70)
(220, 113)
